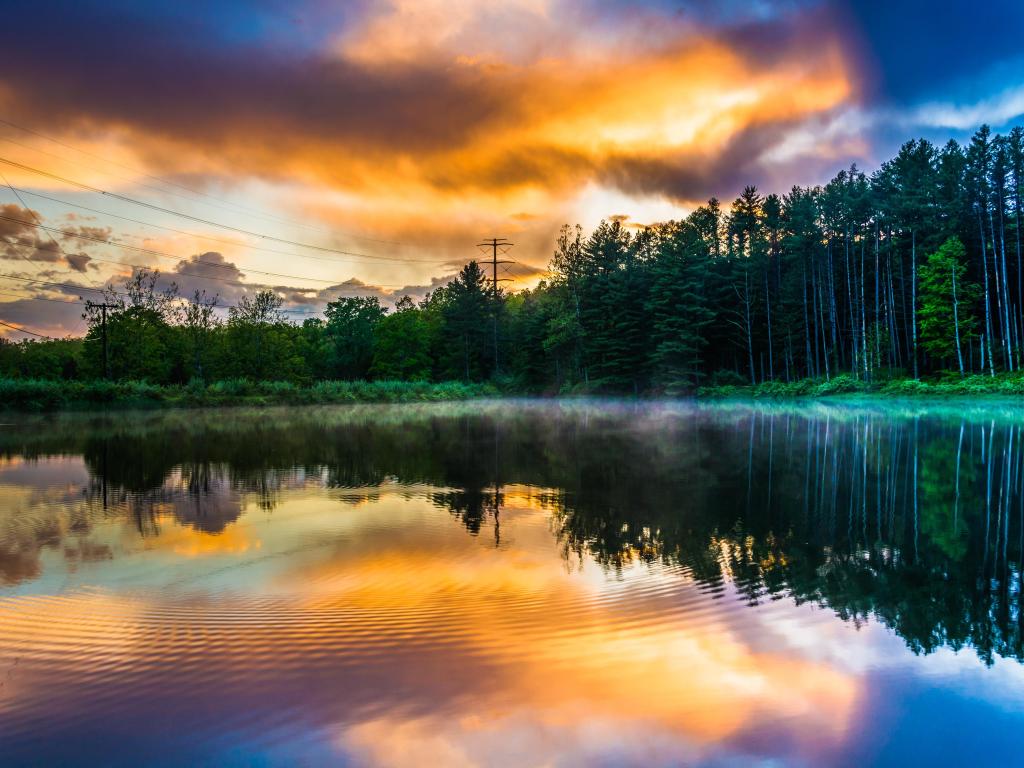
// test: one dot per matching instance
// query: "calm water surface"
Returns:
(514, 584)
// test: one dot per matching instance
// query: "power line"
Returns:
(38, 223)
(212, 239)
(105, 291)
(168, 182)
(19, 297)
(24, 330)
(51, 282)
(153, 252)
(243, 210)
(190, 217)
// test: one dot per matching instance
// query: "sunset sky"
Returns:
(394, 135)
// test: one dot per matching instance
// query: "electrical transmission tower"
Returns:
(498, 246)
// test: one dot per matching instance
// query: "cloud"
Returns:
(417, 102)
(51, 318)
(21, 240)
(997, 109)
(78, 261)
(212, 274)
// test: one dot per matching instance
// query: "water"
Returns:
(513, 584)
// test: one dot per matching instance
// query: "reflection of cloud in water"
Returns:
(55, 503)
(398, 643)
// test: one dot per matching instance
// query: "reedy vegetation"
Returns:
(910, 272)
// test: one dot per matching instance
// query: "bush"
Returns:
(843, 384)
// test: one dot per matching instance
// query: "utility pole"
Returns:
(496, 244)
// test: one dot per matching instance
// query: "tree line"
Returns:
(913, 270)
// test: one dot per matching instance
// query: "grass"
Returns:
(36, 395)
(1002, 385)
(46, 395)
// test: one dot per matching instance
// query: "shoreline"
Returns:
(844, 385)
(40, 396)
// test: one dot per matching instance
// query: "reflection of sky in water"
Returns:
(368, 625)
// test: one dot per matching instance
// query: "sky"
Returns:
(329, 149)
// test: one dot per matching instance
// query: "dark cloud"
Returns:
(696, 176)
(85, 233)
(54, 318)
(211, 273)
(197, 85)
(208, 273)
(168, 78)
(357, 288)
(78, 261)
(20, 240)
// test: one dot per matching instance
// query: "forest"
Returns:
(911, 272)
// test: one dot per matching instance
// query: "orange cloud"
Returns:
(418, 124)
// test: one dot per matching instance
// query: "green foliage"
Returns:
(1004, 385)
(350, 330)
(466, 341)
(943, 284)
(49, 359)
(678, 307)
(401, 345)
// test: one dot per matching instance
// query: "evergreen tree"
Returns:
(467, 315)
(947, 321)
(678, 307)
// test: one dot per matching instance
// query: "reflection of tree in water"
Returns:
(472, 507)
(868, 517)
(916, 523)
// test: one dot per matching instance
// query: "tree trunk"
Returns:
(878, 341)
(956, 325)
(768, 309)
(807, 332)
(747, 322)
(854, 363)
(988, 301)
(1008, 337)
(913, 296)
(863, 319)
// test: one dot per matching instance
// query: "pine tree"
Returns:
(678, 307)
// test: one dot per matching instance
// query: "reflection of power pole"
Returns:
(497, 491)
(103, 473)
(496, 243)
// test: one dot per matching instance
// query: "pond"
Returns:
(514, 583)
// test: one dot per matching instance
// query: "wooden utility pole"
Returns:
(496, 244)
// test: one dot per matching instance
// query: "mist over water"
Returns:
(514, 583)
